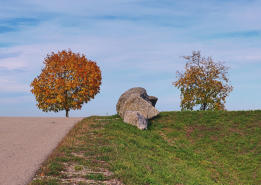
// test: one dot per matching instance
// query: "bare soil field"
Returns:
(25, 142)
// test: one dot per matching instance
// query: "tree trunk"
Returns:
(67, 113)
(204, 106)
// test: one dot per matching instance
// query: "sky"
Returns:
(136, 43)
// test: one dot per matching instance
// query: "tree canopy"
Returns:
(204, 83)
(66, 82)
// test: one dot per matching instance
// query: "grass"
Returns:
(178, 148)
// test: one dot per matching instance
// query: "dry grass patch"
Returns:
(75, 160)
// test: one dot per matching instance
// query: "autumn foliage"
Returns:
(66, 82)
(204, 83)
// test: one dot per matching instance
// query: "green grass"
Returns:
(95, 176)
(45, 182)
(178, 148)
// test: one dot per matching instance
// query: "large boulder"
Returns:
(137, 100)
(136, 119)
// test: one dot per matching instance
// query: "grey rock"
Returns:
(153, 100)
(137, 103)
(136, 119)
(137, 99)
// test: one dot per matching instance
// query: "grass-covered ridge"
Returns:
(178, 148)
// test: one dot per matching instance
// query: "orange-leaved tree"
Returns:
(204, 83)
(66, 82)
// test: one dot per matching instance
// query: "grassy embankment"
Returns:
(178, 148)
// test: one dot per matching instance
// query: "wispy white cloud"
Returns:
(12, 63)
(10, 86)
(136, 43)
(15, 100)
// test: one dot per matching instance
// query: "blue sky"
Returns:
(135, 43)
